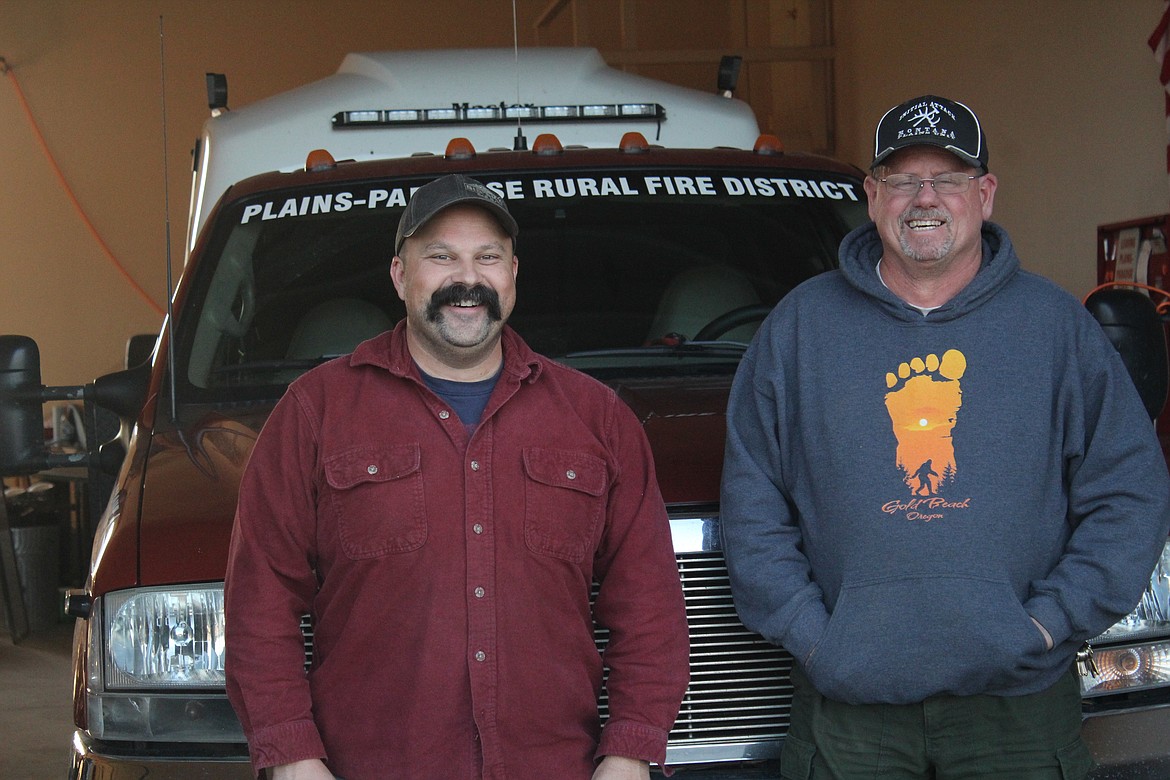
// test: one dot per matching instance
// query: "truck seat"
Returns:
(696, 296)
(335, 327)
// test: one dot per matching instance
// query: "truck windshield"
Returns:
(621, 273)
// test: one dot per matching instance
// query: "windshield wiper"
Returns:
(682, 349)
(270, 366)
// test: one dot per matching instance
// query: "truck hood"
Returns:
(189, 495)
(685, 421)
(193, 474)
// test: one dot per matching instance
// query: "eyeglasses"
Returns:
(943, 184)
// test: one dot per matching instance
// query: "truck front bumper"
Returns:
(91, 762)
(1131, 744)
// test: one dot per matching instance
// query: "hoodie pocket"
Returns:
(376, 495)
(898, 640)
(563, 502)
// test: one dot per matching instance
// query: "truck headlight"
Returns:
(1151, 617)
(1123, 662)
(155, 667)
(165, 638)
(1127, 669)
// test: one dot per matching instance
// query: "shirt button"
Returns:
(477, 528)
(571, 474)
(475, 465)
(443, 415)
(480, 655)
(372, 469)
(479, 592)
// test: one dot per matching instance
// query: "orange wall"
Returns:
(1067, 90)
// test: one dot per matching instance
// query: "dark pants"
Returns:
(1035, 737)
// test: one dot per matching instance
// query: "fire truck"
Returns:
(658, 227)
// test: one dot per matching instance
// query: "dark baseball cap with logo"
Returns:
(452, 189)
(934, 121)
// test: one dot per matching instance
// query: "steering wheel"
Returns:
(729, 320)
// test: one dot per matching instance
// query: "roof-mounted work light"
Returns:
(217, 94)
(463, 113)
(729, 67)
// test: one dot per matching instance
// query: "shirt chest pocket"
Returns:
(564, 500)
(376, 497)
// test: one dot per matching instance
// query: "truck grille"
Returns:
(738, 701)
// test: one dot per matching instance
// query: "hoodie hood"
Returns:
(862, 249)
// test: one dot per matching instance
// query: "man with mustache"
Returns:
(936, 639)
(441, 502)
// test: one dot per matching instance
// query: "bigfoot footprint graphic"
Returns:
(923, 403)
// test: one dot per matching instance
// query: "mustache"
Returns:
(478, 295)
(916, 213)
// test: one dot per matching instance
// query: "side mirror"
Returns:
(22, 431)
(1131, 321)
(22, 435)
(122, 392)
(139, 348)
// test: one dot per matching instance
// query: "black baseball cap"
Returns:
(934, 121)
(431, 198)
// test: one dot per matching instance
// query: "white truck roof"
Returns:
(277, 133)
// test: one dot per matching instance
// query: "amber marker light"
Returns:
(459, 149)
(768, 144)
(633, 142)
(319, 160)
(547, 143)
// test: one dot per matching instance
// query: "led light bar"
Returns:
(1127, 669)
(463, 113)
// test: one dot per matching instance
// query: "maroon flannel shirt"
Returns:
(448, 577)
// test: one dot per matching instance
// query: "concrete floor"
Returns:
(36, 707)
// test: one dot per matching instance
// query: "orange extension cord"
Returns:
(6, 69)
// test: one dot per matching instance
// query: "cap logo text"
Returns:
(483, 192)
(926, 114)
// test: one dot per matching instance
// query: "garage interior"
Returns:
(100, 104)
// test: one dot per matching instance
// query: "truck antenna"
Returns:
(520, 144)
(162, 56)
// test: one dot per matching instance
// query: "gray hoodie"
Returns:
(903, 494)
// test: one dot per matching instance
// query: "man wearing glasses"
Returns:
(929, 493)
